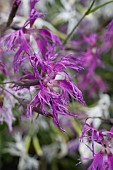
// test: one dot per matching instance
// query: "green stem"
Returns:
(23, 83)
(100, 6)
(19, 100)
(86, 13)
(9, 92)
(12, 13)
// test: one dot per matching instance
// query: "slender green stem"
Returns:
(108, 121)
(19, 100)
(12, 13)
(9, 92)
(36, 109)
(23, 83)
(86, 13)
(100, 6)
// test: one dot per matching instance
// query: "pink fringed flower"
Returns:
(55, 86)
(109, 32)
(110, 161)
(103, 160)
(98, 162)
(49, 69)
(17, 42)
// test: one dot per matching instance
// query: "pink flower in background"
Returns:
(89, 81)
(109, 31)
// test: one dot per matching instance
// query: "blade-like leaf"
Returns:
(98, 7)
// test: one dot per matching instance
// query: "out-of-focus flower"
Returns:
(89, 81)
(107, 38)
(73, 146)
(109, 31)
(17, 148)
(17, 2)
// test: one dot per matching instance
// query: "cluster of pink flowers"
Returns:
(49, 74)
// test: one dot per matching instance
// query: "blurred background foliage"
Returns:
(37, 143)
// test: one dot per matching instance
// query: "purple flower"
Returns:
(45, 39)
(94, 134)
(17, 42)
(49, 69)
(70, 88)
(55, 86)
(34, 14)
(98, 162)
(91, 39)
(33, 3)
(73, 146)
(109, 32)
(91, 135)
(110, 161)
(89, 81)
(107, 39)
(51, 102)
(69, 61)
(101, 162)
(104, 159)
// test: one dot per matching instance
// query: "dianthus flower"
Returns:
(49, 69)
(102, 160)
(89, 81)
(55, 86)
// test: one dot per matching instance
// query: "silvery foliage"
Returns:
(68, 13)
(43, 4)
(6, 114)
(50, 151)
(39, 122)
(58, 149)
(17, 148)
(100, 110)
(108, 12)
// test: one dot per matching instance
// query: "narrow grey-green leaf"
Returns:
(98, 7)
